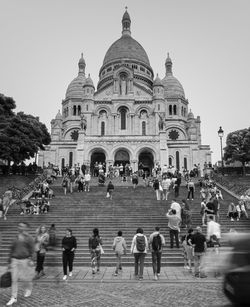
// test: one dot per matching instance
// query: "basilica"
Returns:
(131, 116)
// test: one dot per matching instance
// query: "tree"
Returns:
(238, 147)
(21, 135)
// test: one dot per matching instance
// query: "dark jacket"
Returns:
(68, 243)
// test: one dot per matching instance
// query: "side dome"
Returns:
(172, 86)
(126, 48)
(75, 88)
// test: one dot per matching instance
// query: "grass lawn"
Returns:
(14, 180)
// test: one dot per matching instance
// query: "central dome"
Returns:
(126, 48)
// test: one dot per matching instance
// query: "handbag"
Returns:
(5, 280)
(160, 188)
(99, 248)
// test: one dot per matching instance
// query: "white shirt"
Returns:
(177, 208)
(213, 228)
(87, 177)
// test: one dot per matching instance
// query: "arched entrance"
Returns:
(97, 157)
(122, 156)
(146, 161)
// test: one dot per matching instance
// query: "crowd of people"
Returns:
(194, 243)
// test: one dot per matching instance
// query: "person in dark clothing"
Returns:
(110, 189)
(69, 245)
(95, 249)
(199, 243)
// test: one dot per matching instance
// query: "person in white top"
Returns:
(213, 229)
(166, 183)
(87, 178)
(177, 207)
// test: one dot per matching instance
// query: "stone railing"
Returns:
(235, 188)
(19, 194)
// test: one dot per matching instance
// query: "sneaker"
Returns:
(158, 275)
(155, 277)
(232, 219)
(115, 274)
(197, 275)
(93, 271)
(11, 301)
(70, 274)
(27, 293)
(140, 278)
(42, 273)
(64, 277)
(203, 276)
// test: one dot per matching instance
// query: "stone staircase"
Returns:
(128, 210)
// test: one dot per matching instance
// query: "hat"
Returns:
(198, 228)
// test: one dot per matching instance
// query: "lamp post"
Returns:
(220, 134)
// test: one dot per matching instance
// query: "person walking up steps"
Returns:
(156, 243)
(110, 189)
(120, 248)
(69, 246)
(95, 249)
(139, 248)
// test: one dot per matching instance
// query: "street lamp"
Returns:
(220, 134)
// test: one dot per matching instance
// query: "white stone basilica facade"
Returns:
(131, 117)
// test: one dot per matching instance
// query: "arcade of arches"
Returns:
(145, 159)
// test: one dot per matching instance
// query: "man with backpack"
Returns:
(139, 248)
(156, 243)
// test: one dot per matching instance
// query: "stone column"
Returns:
(80, 147)
(163, 148)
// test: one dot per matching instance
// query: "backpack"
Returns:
(156, 243)
(140, 243)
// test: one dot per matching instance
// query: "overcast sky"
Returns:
(208, 41)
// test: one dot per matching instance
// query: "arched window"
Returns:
(185, 163)
(175, 109)
(79, 110)
(70, 159)
(170, 161)
(170, 109)
(87, 107)
(74, 110)
(159, 107)
(123, 112)
(182, 113)
(143, 126)
(102, 128)
(63, 163)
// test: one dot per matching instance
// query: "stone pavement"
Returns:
(106, 274)
(175, 288)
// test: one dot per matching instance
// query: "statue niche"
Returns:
(123, 84)
(161, 123)
(83, 122)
